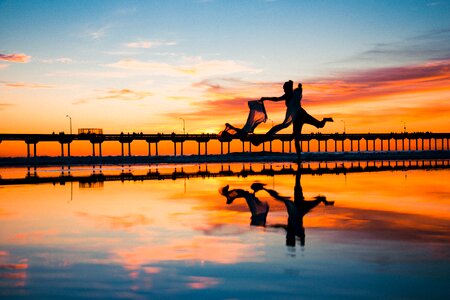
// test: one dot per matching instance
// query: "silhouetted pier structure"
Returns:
(325, 142)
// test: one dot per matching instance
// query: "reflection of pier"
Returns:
(97, 179)
(337, 142)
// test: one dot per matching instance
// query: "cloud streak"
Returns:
(125, 95)
(367, 85)
(4, 106)
(191, 67)
(15, 57)
(27, 85)
(149, 44)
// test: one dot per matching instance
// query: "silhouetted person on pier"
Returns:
(256, 116)
(297, 209)
(294, 114)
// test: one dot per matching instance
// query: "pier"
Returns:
(324, 142)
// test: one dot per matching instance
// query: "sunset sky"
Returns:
(145, 66)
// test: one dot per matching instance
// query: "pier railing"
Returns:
(324, 142)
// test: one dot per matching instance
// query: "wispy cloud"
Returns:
(195, 67)
(125, 94)
(3, 66)
(149, 44)
(98, 33)
(62, 60)
(15, 57)
(88, 74)
(27, 85)
(4, 106)
(425, 46)
(384, 82)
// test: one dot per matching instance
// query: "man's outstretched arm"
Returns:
(275, 99)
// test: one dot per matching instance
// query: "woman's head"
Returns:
(288, 86)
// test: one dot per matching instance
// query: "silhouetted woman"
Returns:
(294, 114)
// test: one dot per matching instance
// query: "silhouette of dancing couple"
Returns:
(296, 209)
(295, 114)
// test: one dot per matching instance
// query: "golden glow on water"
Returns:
(142, 225)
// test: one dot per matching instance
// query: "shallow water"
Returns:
(386, 236)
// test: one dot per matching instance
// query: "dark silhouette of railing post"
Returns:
(97, 139)
(31, 141)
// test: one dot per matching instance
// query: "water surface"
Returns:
(386, 236)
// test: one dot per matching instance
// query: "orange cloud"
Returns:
(17, 57)
(370, 84)
(35, 235)
(28, 85)
(126, 94)
(412, 93)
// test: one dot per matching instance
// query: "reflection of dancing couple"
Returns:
(296, 209)
(294, 114)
